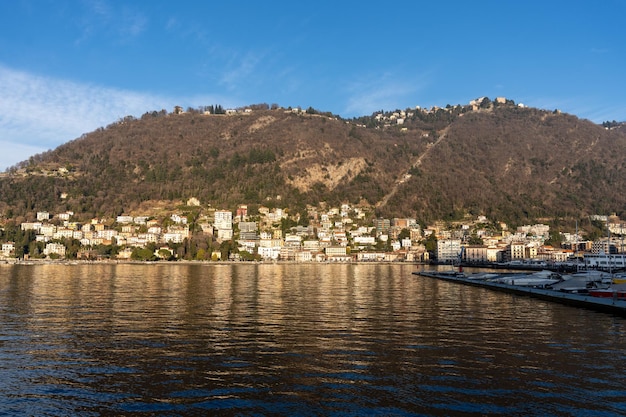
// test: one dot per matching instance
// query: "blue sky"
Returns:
(68, 67)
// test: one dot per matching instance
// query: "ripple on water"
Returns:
(314, 340)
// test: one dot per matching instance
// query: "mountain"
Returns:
(492, 157)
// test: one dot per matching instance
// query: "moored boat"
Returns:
(619, 279)
(616, 291)
(537, 279)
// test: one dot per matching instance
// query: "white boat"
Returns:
(574, 285)
(605, 261)
(590, 276)
(482, 276)
(537, 279)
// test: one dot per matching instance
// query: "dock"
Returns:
(606, 305)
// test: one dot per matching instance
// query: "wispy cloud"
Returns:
(242, 70)
(583, 107)
(598, 114)
(600, 51)
(16, 152)
(39, 113)
(387, 91)
(100, 17)
(133, 23)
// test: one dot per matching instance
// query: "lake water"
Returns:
(289, 339)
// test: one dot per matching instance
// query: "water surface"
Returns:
(289, 339)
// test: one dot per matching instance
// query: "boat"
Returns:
(619, 279)
(538, 279)
(605, 261)
(574, 284)
(615, 291)
(581, 282)
(483, 276)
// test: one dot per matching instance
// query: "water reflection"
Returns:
(294, 339)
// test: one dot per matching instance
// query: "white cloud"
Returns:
(240, 70)
(39, 113)
(388, 92)
(580, 106)
(118, 22)
(133, 23)
(16, 152)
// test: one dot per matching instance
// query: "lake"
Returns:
(295, 339)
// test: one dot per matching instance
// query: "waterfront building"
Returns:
(8, 248)
(304, 256)
(54, 248)
(515, 250)
(448, 250)
(335, 251)
(476, 254)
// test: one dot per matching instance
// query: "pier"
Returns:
(606, 305)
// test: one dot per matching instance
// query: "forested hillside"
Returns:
(500, 160)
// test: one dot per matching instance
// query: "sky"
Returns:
(68, 67)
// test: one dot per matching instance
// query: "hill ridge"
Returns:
(499, 160)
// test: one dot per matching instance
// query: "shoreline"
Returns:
(31, 262)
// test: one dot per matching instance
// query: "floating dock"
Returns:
(607, 305)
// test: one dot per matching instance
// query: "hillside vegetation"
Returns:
(510, 163)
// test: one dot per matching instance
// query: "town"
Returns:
(328, 234)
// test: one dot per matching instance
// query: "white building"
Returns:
(63, 234)
(224, 234)
(448, 250)
(311, 245)
(66, 215)
(43, 215)
(47, 230)
(304, 256)
(155, 230)
(370, 256)
(54, 248)
(107, 234)
(31, 226)
(272, 252)
(223, 219)
(176, 218)
(293, 241)
(174, 237)
(8, 248)
(335, 251)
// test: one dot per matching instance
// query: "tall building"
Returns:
(223, 224)
(382, 226)
(223, 220)
(248, 231)
(448, 250)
